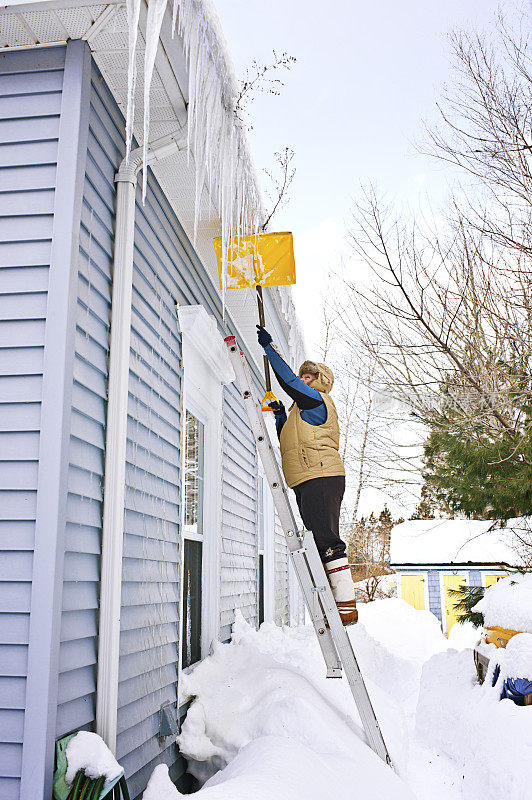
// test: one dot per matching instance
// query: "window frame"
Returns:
(206, 368)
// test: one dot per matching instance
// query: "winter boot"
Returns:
(343, 589)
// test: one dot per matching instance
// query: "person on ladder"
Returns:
(309, 438)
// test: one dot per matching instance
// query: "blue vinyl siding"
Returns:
(150, 572)
(30, 104)
(280, 565)
(81, 575)
(434, 593)
(475, 578)
(239, 546)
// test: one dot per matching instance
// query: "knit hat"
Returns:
(324, 379)
(310, 367)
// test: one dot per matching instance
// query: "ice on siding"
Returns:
(508, 603)
(87, 751)
(216, 137)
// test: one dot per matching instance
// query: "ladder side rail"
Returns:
(352, 670)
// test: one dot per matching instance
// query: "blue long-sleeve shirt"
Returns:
(308, 400)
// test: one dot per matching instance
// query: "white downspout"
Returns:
(116, 435)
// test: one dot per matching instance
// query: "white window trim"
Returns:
(206, 368)
(417, 573)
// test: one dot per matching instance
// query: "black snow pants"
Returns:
(319, 502)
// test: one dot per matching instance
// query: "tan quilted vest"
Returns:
(311, 451)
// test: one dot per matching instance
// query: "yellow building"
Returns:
(433, 557)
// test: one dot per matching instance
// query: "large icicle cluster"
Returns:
(216, 137)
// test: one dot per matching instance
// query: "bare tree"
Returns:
(445, 320)
(375, 456)
(281, 182)
(486, 130)
(258, 79)
(442, 320)
(368, 552)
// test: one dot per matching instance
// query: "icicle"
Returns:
(156, 9)
(217, 139)
(133, 12)
(174, 17)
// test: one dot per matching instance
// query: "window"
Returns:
(193, 544)
(260, 530)
(191, 644)
(194, 441)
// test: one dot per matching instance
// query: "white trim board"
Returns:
(268, 551)
(206, 368)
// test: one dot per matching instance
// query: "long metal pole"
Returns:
(262, 322)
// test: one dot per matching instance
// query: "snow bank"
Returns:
(266, 724)
(515, 660)
(508, 603)
(489, 740)
(274, 767)
(266, 692)
(87, 751)
(464, 635)
(392, 641)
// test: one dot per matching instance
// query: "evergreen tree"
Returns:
(477, 465)
(466, 598)
(480, 476)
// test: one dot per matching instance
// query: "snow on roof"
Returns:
(508, 604)
(451, 541)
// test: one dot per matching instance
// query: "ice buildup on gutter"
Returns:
(217, 139)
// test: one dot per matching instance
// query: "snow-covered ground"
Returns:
(266, 723)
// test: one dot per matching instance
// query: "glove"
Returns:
(263, 336)
(278, 408)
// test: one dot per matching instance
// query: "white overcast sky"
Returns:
(366, 76)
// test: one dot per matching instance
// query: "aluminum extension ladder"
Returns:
(332, 636)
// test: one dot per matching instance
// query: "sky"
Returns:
(352, 108)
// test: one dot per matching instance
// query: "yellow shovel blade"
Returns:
(268, 397)
(263, 260)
